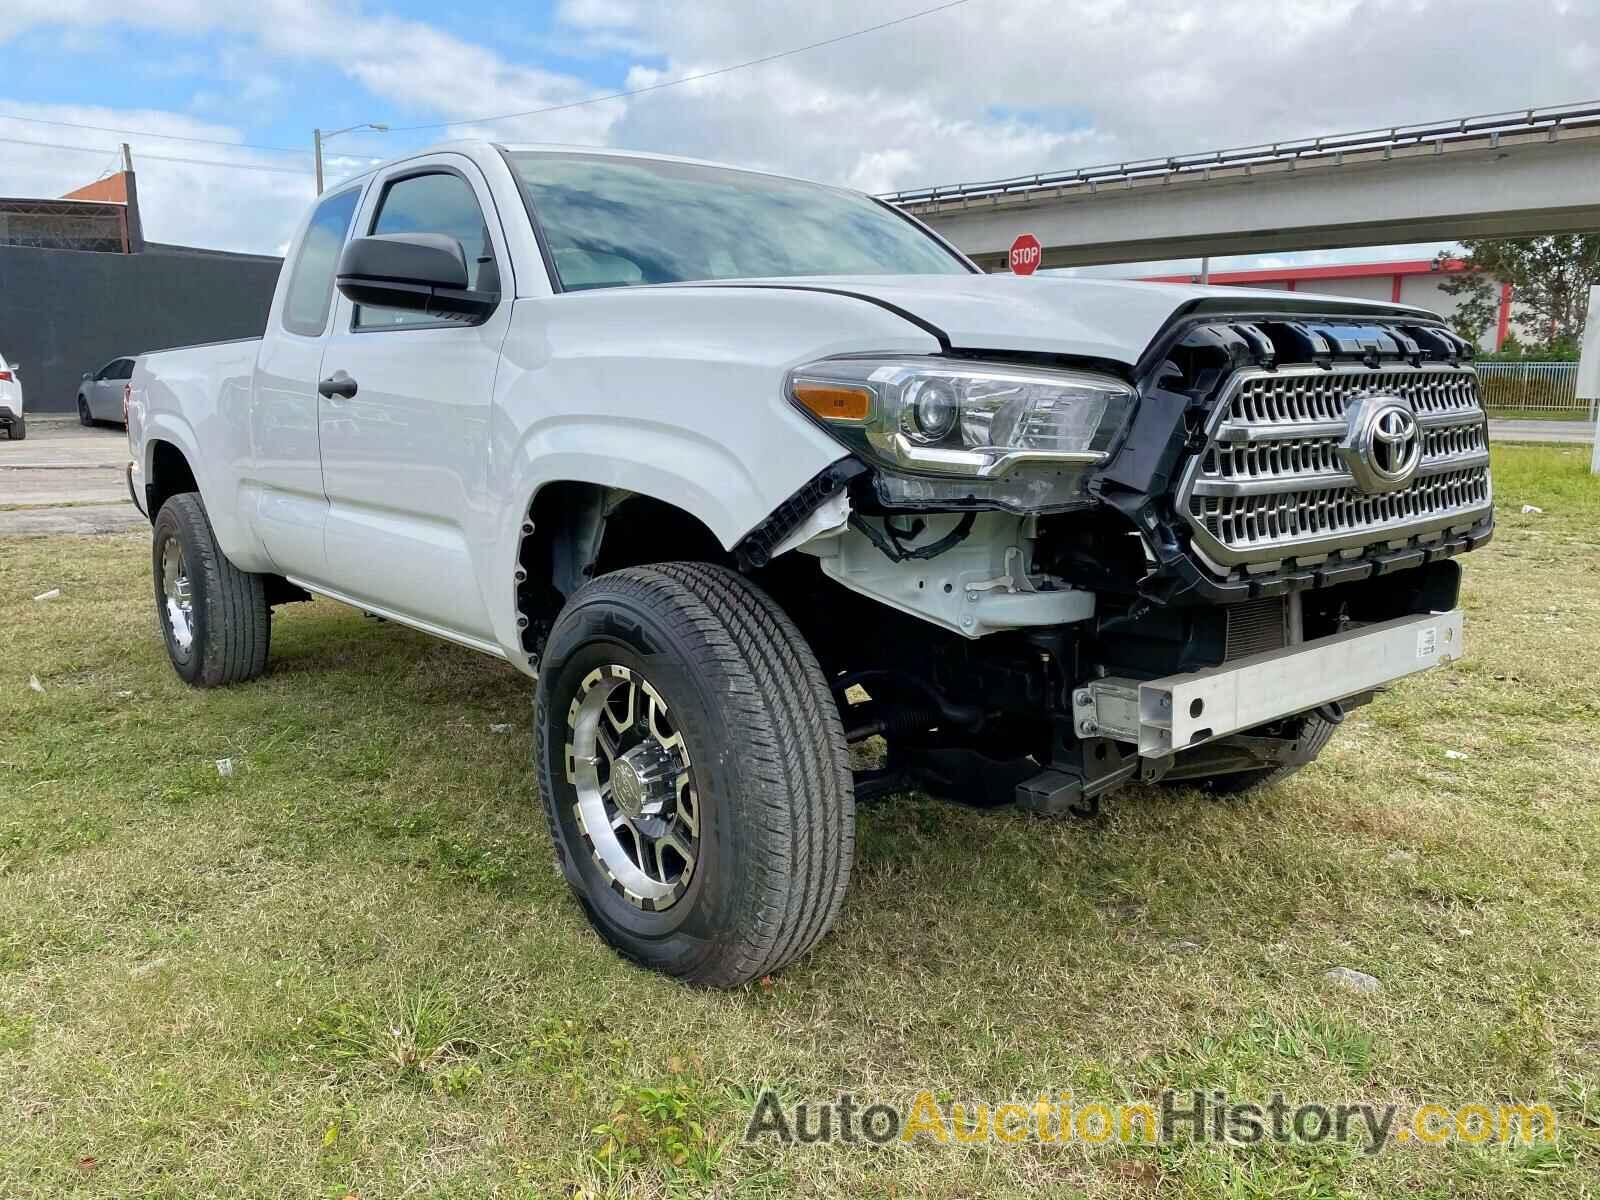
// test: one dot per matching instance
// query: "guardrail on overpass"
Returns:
(1499, 174)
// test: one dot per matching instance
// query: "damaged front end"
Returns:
(1101, 574)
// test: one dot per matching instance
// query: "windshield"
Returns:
(614, 222)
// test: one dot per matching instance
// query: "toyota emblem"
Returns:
(1382, 447)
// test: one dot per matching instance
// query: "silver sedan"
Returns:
(100, 393)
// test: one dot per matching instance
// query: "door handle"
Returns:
(338, 384)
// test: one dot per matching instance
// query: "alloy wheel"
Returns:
(636, 806)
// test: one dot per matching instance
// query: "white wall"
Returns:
(1423, 291)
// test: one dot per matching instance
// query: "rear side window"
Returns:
(439, 202)
(305, 308)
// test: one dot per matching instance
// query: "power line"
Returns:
(532, 112)
(656, 87)
(171, 137)
(198, 162)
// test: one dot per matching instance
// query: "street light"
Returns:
(318, 137)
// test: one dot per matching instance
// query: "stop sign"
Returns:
(1026, 254)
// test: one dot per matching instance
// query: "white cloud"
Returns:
(990, 88)
(1144, 77)
(232, 207)
(403, 61)
(408, 63)
(601, 14)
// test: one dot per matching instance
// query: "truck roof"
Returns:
(478, 148)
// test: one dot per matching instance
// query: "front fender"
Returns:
(678, 466)
(673, 393)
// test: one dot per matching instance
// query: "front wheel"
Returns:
(694, 774)
(214, 617)
(85, 417)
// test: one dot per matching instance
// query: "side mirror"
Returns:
(88, 375)
(420, 272)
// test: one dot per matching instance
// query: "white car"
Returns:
(743, 470)
(11, 414)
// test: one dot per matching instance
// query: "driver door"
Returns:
(404, 456)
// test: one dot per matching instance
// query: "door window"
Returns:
(310, 295)
(439, 202)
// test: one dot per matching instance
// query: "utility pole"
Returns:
(1589, 371)
(132, 225)
(1205, 269)
(318, 137)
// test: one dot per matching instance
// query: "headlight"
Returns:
(945, 417)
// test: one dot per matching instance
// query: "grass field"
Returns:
(351, 968)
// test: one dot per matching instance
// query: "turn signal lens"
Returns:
(833, 401)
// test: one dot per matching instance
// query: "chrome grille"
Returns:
(1270, 485)
(1298, 395)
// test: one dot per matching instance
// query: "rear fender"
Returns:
(165, 416)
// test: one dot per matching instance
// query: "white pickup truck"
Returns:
(743, 470)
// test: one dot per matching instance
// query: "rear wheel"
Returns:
(693, 770)
(18, 429)
(214, 617)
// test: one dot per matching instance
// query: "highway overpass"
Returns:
(1519, 174)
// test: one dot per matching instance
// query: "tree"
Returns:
(1550, 279)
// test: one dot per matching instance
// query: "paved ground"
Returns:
(71, 518)
(69, 479)
(1541, 431)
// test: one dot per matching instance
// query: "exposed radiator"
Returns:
(1257, 627)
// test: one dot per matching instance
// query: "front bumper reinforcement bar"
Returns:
(1163, 716)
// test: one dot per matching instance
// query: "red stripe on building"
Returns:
(1289, 276)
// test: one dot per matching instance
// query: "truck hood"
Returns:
(1113, 319)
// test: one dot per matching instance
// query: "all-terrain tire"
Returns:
(1315, 734)
(767, 763)
(229, 625)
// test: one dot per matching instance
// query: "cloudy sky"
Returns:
(982, 89)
